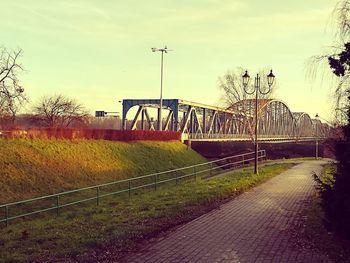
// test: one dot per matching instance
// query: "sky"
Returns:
(99, 52)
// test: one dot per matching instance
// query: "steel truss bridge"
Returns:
(200, 122)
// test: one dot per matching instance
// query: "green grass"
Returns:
(323, 240)
(298, 159)
(327, 175)
(122, 221)
(30, 168)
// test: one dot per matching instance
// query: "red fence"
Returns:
(92, 134)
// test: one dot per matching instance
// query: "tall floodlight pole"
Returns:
(257, 90)
(162, 50)
(316, 144)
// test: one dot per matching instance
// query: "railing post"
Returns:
(155, 182)
(129, 188)
(98, 195)
(58, 205)
(7, 215)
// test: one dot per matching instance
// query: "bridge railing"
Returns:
(248, 137)
(219, 136)
(236, 136)
(55, 202)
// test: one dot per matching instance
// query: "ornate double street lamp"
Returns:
(166, 50)
(316, 149)
(257, 90)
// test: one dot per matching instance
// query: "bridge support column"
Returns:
(143, 119)
(204, 121)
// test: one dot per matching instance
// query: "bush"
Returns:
(94, 134)
(335, 194)
(339, 212)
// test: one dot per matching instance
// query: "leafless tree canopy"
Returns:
(232, 86)
(318, 66)
(59, 111)
(341, 14)
(11, 92)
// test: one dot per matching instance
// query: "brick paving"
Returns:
(257, 226)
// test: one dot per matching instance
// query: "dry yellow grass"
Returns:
(36, 167)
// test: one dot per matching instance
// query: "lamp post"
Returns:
(162, 50)
(316, 144)
(257, 90)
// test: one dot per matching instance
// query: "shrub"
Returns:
(335, 194)
(95, 134)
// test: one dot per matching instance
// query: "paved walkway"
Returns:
(257, 226)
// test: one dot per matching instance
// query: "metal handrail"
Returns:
(129, 189)
(249, 136)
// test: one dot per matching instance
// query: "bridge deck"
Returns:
(247, 138)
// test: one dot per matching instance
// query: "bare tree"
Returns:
(12, 94)
(319, 65)
(341, 13)
(232, 86)
(59, 111)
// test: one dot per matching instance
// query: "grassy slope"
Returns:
(35, 167)
(119, 222)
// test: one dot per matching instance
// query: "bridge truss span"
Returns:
(275, 119)
(199, 121)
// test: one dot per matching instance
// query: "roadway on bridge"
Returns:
(257, 226)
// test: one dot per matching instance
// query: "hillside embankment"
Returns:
(35, 167)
